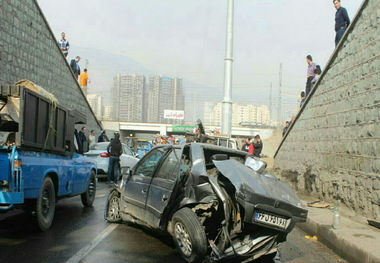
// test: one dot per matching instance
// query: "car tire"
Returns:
(189, 235)
(88, 197)
(45, 205)
(113, 207)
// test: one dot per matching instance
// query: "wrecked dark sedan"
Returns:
(215, 202)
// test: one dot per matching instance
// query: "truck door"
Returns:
(162, 186)
(81, 170)
(135, 190)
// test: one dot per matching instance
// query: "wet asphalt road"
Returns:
(80, 234)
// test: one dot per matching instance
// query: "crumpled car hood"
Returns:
(247, 180)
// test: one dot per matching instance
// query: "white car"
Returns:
(98, 151)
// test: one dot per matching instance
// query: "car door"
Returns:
(162, 186)
(135, 189)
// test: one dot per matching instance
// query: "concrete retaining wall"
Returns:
(29, 50)
(332, 149)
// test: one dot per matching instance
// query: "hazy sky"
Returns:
(187, 38)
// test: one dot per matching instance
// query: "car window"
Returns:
(222, 142)
(143, 145)
(169, 168)
(127, 150)
(147, 166)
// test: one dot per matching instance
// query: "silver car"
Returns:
(98, 151)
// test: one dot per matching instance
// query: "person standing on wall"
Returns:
(83, 81)
(342, 21)
(310, 73)
(64, 45)
(74, 65)
(302, 98)
(115, 150)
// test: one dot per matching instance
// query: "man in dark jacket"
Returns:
(83, 141)
(258, 146)
(103, 137)
(115, 150)
(74, 65)
(342, 21)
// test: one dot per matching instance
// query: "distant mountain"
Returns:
(103, 66)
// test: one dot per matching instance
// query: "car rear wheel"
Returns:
(189, 235)
(45, 205)
(113, 207)
(88, 197)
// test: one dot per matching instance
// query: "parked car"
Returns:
(215, 202)
(98, 151)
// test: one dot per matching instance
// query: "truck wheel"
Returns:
(113, 207)
(88, 197)
(189, 235)
(45, 205)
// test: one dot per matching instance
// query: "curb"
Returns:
(345, 249)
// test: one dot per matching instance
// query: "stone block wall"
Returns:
(29, 50)
(332, 150)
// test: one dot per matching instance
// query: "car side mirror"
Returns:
(125, 174)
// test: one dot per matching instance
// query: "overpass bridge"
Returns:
(147, 130)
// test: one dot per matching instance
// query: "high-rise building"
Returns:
(164, 93)
(128, 97)
(242, 114)
(108, 113)
(208, 108)
(96, 103)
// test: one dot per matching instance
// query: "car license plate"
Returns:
(270, 219)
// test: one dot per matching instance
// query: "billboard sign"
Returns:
(174, 114)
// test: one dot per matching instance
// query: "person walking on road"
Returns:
(257, 145)
(251, 148)
(115, 150)
(91, 138)
(245, 146)
(342, 21)
(103, 137)
(83, 140)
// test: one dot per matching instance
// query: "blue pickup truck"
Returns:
(38, 161)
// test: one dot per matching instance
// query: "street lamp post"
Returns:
(227, 100)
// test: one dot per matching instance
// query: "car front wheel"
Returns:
(113, 207)
(189, 235)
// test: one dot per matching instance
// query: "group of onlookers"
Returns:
(74, 63)
(253, 146)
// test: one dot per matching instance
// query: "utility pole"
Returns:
(227, 100)
(279, 119)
